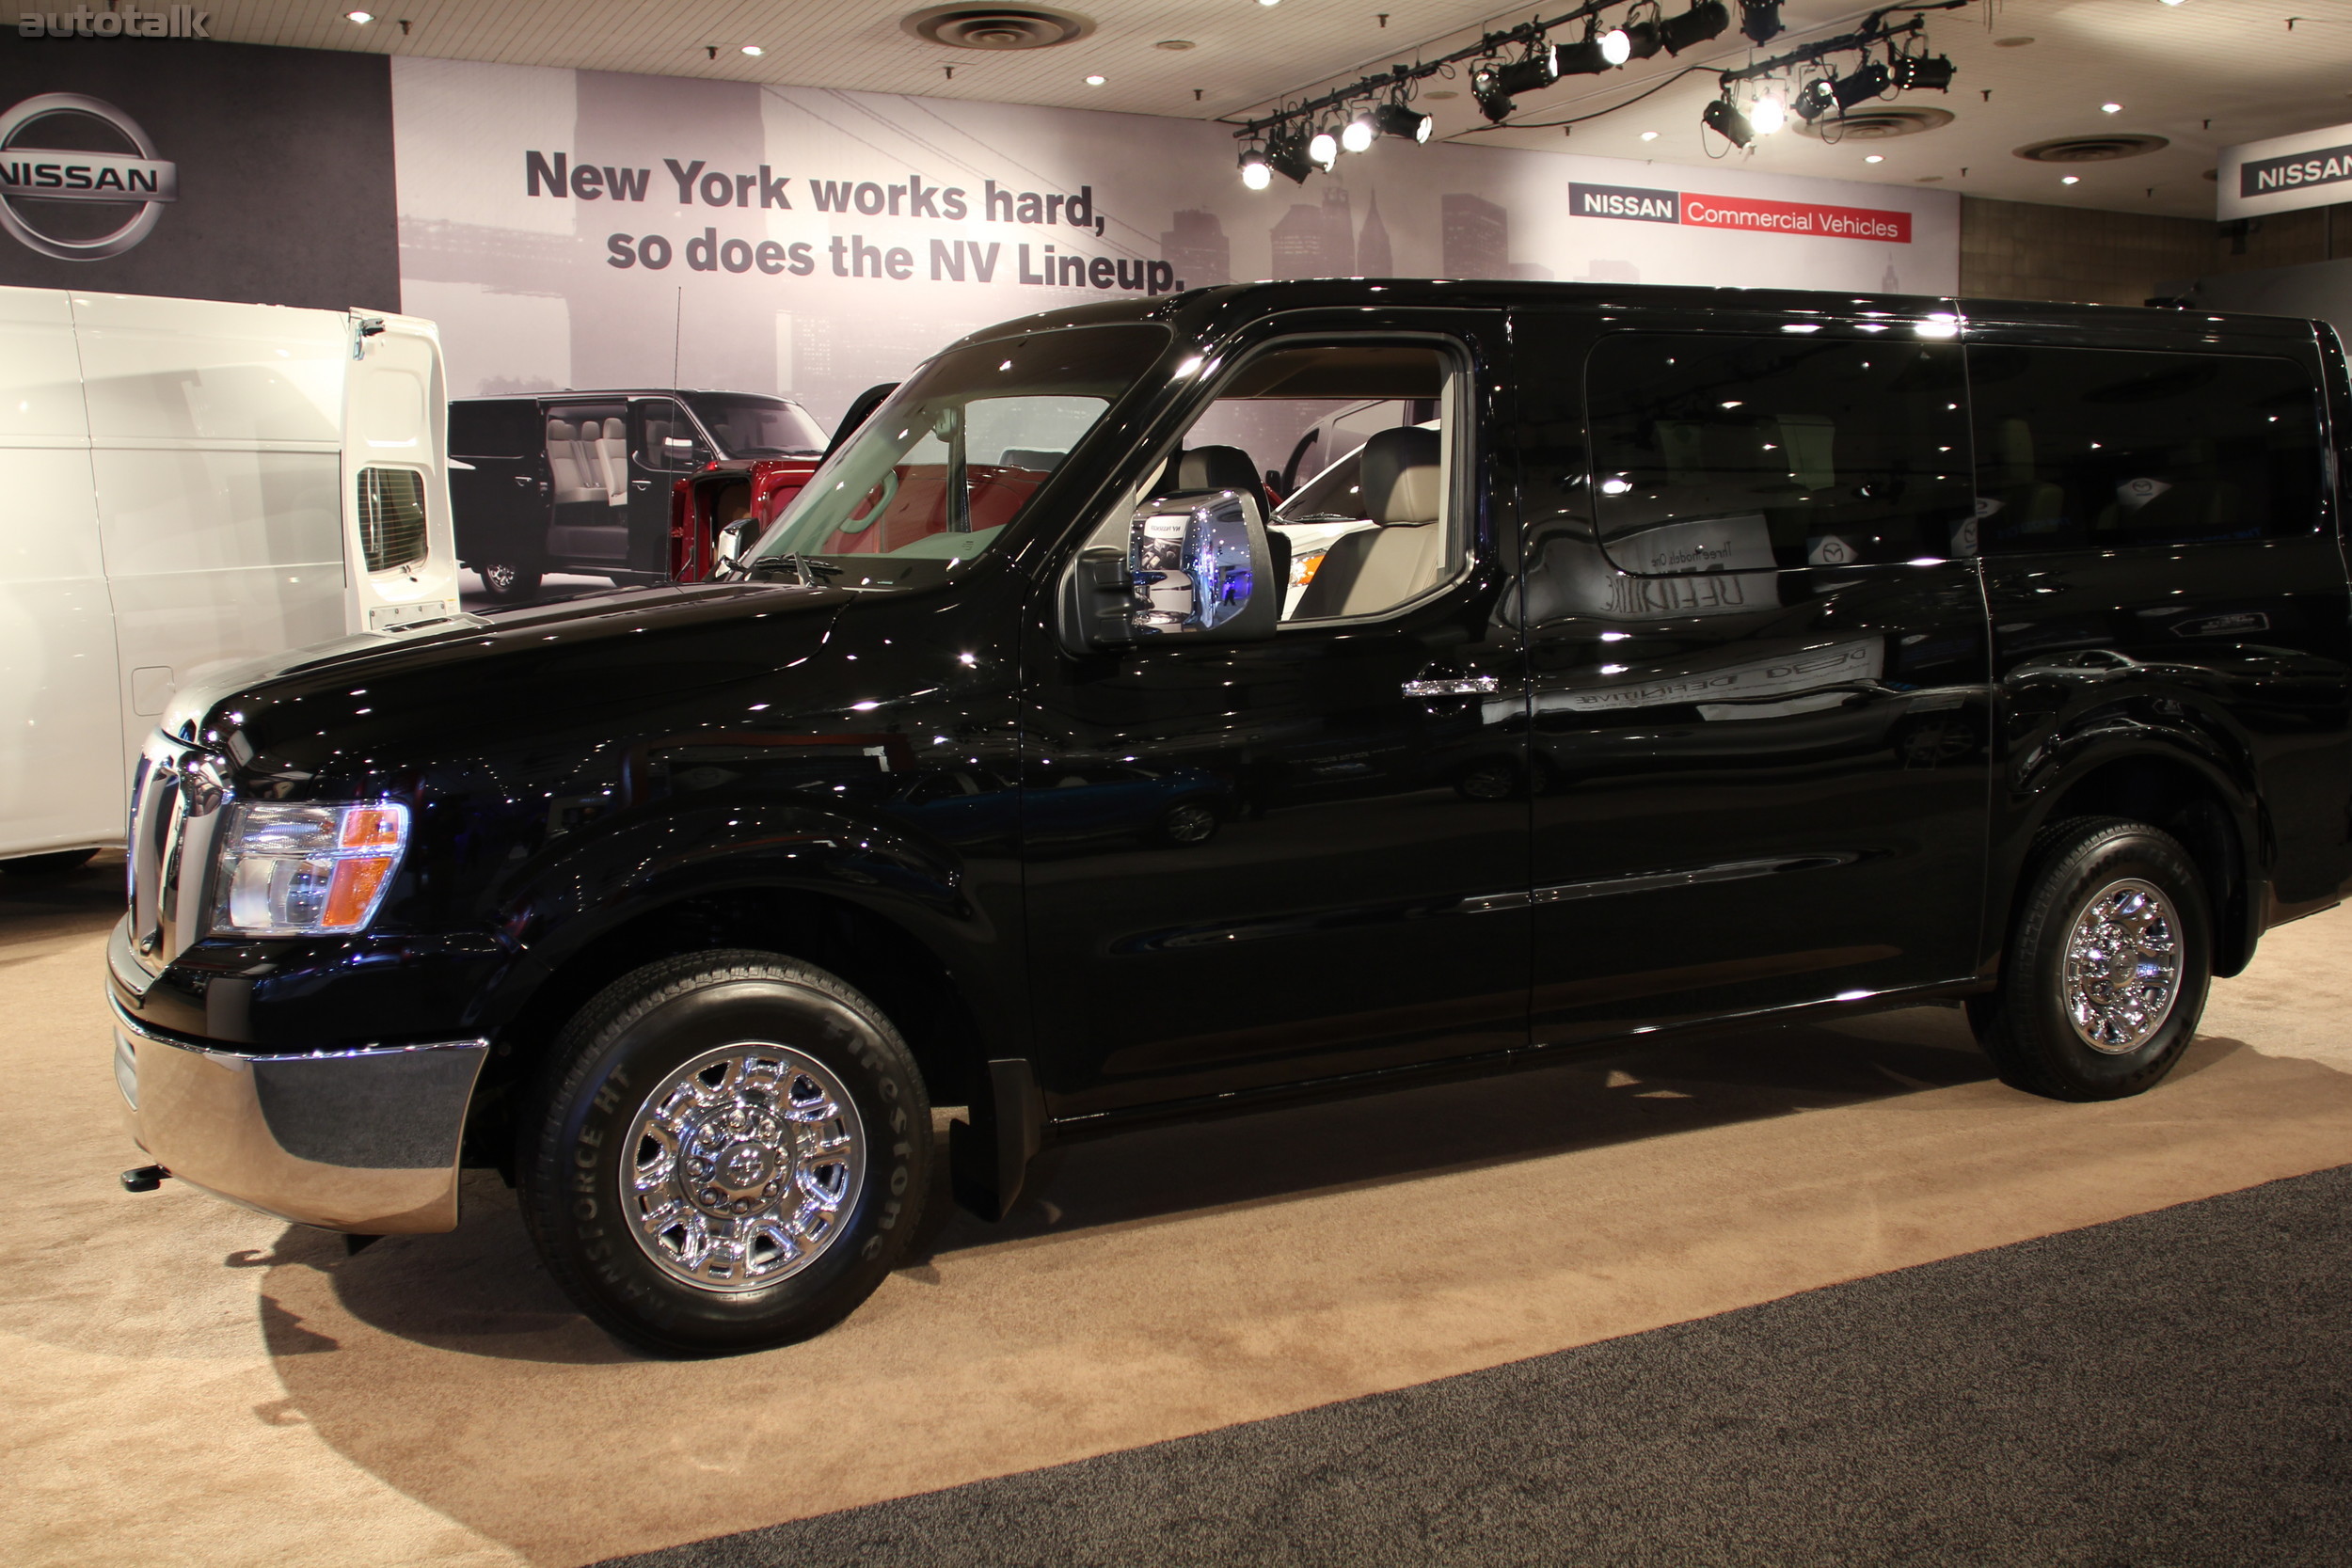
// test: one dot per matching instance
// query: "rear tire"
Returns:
(509, 583)
(2108, 959)
(724, 1151)
(56, 864)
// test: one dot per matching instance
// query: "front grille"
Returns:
(391, 517)
(177, 803)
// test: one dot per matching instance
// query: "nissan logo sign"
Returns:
(33, 177)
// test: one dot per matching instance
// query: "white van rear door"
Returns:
(216, 448)
(61, 778)
(396, 522)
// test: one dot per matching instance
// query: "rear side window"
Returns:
(2098, 449)
(1731, 454)
(505, 428)
(391, 517)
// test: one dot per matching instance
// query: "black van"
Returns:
(1705, 655)
(580, 481)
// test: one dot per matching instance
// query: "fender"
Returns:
(576, 892)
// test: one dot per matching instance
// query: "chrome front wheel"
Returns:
(2123, 966)
(744, 1162)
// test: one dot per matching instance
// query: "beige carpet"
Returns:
(185, 1383)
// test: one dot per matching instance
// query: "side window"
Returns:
(2098, 449)
(1374, 529)
(665, 440)
(1730, 454)
(492, 429)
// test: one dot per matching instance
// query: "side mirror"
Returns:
(1198, 567)
(735, 541)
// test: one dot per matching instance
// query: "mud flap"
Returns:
(989, 1155)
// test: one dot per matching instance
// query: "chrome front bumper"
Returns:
(363, 1140)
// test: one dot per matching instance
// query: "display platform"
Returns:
(223, 1388)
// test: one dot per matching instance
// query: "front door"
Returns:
(1253, 863)
(664, 446)
(1757, 652)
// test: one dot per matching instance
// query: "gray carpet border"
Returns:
(2169, 1389)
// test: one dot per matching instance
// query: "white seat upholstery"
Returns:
(1404, 492)
(613, 451)
(574, 478)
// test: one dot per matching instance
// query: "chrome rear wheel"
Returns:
(2123, 966)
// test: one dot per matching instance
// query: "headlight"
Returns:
(287, 870)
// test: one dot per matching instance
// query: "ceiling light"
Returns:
(1269, 2)
(1868, 80)
(2110, 108)
(1768, 115)
(1094, 81)
(1875, 158)
(1815, 99)
(1255, 172)
(1492, 82)
(1642, 39)
(362, 17)
(1323, 148)
(2071, 179)
(1395, 120)
(1703, 20)
(753, 50)
(1760, 20)
(1356, 136)
(1727, 122)
(2172, 1)
(1650, 136)
(1601, 52)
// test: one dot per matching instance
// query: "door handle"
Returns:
(1454, 685)
(640, 484)
(522, 482)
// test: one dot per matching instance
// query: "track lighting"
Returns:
(1869, 81)
(1642, 39)
(1395, 120)
(1727, 122)
(1492, 82)
(1815, 99)
(1356, 136)
(1704, 21)
(1768, 115)
(1323, 149)
(1760, 20)
(1255, 172)
(1924, 72)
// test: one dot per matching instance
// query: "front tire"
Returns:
(2107, 968)
(725, 1151)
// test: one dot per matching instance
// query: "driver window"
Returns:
(1348, 449)
(667, 440)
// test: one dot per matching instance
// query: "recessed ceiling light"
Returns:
(753, 50)
(1650, 136)
(1094, 81)
(362, 17)
(2071, 179)
(2110, 108)
(1874, 158)
(1279, 2)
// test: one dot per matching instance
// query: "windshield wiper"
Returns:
(810, 572)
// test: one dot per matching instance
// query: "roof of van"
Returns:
(1200, 311)
(622, 392)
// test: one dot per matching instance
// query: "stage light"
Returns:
(1868, 82)
(1727, 122)
(1356, 136)
(1768, 115)
(1324, 148)
(1925, 73)
(1704, 21)
(1255, 172)
(1286, 153)
(1815, 99)
(1640, 39)
(1395, 120)
(1760, 20)
(1605, 52)
(1494, 102)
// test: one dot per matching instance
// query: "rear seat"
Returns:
(574, 480)
(614, 452)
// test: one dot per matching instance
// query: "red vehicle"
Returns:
(727, 491)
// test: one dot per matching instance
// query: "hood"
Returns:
(387, 693)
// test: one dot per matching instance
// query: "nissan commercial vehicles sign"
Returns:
(149, 159)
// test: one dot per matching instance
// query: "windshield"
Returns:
(938, 472)
(758, 427)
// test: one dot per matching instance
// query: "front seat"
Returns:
(1228, 468)
(1403, 556)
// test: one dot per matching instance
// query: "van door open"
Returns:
(397, 535)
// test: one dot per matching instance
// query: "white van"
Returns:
(183, 484)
